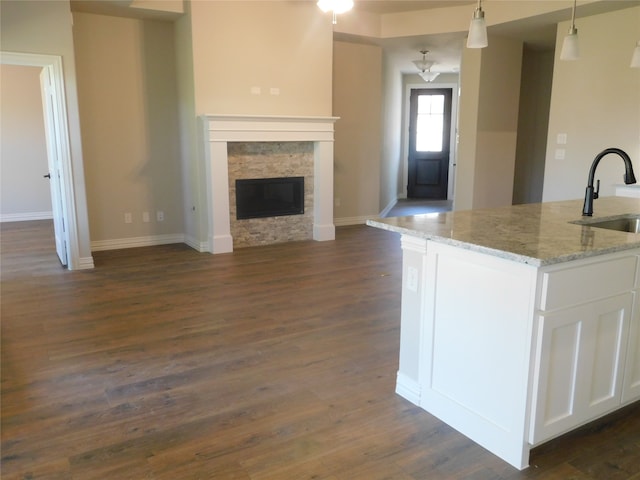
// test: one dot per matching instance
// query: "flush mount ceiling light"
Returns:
(570, 49)
(424, 66)
(478, 29)
(335, 6)
(635, 59)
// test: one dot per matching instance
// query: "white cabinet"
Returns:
(631, 382)
(512, 354)
(583, 365)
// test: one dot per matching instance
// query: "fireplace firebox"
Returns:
(269, 197)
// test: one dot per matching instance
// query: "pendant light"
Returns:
(424, 66)
(477, 29)
(570, 48)
(635, 59)
(335, 6)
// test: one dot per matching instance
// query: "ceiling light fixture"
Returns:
(335, 6)
(424, 66)
(635, 58)
(477, 29)
(570, 48)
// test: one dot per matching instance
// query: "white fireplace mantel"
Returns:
(218, 130)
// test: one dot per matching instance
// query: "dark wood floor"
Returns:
(273, 362)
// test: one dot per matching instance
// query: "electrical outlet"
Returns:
(145, 217)
(160, 216)
(128, 218)
(412, 279)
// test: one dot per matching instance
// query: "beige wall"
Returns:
(357, 100)
(193, 193)
(595, 101)
(44, 27)
(279, 45)
(128, 103)
(533, 123)
(391, 164)
(489, 102)
(24, 193)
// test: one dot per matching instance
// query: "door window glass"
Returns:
(430, 123)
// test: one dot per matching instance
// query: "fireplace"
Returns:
(269, 197)
(222, 133)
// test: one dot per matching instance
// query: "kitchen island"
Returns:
(518, 325)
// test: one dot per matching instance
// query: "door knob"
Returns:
(48, 175)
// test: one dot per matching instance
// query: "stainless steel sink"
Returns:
(623, 223)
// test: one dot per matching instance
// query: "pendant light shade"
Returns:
(477, 29)
(570, 49)
(335, 6)
(635, 59)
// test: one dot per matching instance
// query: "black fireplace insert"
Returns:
(269, 197)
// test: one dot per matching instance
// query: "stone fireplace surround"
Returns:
(219, 130)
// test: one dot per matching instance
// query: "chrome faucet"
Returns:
(591, 194)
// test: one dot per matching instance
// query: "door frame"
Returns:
(453, 135)
(59, 115)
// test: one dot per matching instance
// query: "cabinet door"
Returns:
(631, 387)
(580, 356)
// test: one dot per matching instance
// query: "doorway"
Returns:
(429, 145)
(58, 152)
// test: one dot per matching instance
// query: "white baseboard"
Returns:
(148, 241)
(344, 221)
(25, 217)
(388, 208)
(86, 263)
(196, 244)
(408, 389)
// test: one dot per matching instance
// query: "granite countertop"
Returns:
(537, 234)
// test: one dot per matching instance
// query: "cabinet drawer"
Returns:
(583, 283)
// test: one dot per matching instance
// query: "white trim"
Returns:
(85, 263)
(148, 241)
(345, 221)
(54, 62)
(195, 244)
(453, 145)
(408, 389)
(218, 130)
(25, 217)
(388, 208)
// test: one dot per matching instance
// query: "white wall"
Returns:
(595, 101)
(24, 193)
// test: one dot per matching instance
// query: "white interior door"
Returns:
(53, 156)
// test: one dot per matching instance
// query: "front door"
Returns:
(429, 132)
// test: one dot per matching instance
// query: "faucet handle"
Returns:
(595, 194)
